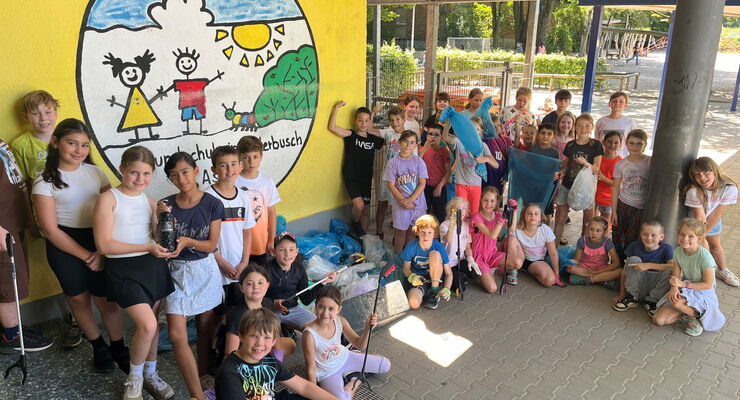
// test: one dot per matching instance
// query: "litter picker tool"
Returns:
(21, 363)
(509, 211)
(361, 377)
(339, 271)
(458, 226)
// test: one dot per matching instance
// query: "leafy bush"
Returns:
(729, 40)
(397, 70)
(543, 63)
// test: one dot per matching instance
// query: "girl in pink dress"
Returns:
(486, 227)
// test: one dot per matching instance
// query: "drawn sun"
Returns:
(252, 38)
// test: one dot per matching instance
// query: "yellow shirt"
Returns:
(30, 155)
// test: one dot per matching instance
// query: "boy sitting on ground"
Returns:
(424, 261)
(647, 270)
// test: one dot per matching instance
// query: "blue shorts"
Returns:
(716, 230)
(604, 209)
(191, 112)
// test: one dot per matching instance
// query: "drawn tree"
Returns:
(290, 88)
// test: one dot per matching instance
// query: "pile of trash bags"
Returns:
(331, 251)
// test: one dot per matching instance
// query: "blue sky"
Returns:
(133, 13)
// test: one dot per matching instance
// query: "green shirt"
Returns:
(693, 266)
(30, 155)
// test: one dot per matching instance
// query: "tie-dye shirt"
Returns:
(405, 175)
(238, 379)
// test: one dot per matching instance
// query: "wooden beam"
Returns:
(533, 15)
(430, 57)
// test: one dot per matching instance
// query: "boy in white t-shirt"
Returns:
(263, 196)
(235, 242)
(615, 121)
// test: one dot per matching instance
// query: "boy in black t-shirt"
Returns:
(251, 372)
(359, 151)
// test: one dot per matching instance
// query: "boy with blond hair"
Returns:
(40, 111)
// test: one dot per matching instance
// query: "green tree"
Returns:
(290, 88)
(567, 28)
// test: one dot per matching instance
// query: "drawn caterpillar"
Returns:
(245, 121)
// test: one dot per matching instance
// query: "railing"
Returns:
(624, 78)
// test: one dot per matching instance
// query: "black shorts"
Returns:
(137, 280)
(73, 274)
(425, 288)
(232, 296)
(527, 263)
(358, 188)
(260, 259)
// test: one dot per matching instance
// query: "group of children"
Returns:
(228, 266)
(616, 248)
(231, 268)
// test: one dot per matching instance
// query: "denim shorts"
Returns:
(716, 230)
(604, 209)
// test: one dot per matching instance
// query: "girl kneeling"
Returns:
(529, 244)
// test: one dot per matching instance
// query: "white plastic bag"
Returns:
(583, 191)
(318, 267)
(374, 248)
(367, 283)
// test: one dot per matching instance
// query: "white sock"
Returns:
(137, 370)
(150, 367)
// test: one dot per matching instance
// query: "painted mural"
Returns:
(177, 75)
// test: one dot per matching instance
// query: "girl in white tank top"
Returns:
(327, 361)
(137, 276)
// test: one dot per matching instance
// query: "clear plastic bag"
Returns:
(374, 248)
(367, 283)
(318, 267)
(583, 191)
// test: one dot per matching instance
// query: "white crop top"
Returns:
(75, 203)
(329, 354)
(132, 218)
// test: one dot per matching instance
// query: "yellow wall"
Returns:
(39, 44)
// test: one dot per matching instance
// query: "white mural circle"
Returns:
(177, 75)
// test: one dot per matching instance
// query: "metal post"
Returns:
(369, 90)
(530, 47)
(430, 57)
(377, 50)
(413, 26)
(733, 106)
(591, 58)
(506, 83)
(688, 80)
(662, 81)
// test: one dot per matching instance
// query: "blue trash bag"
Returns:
(280, 225)
(565, 258)
(338, 226)
(467, 134)
(531, 177)
(349, 245)
(319, 245)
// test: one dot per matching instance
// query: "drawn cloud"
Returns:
(174, 14)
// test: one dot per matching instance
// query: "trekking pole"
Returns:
(509, 211)
(458, 223)
(339, 271)
(21, 363)
(361, 375)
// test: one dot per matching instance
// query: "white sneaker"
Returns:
(157, 388)
(132, 388)
(728, 277)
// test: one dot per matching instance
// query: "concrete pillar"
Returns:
(430, 57)
(530, 47)
(590, 80)
(688, 80)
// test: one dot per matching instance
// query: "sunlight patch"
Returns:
(442, 348)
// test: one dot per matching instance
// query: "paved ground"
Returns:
(530, 343)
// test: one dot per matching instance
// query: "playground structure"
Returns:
(620, 42)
